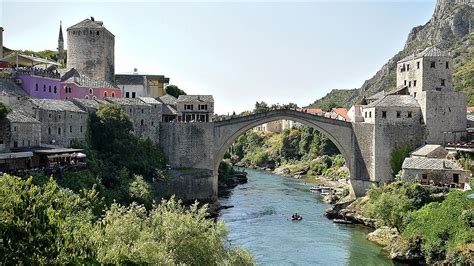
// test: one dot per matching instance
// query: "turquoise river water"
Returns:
(259, 221)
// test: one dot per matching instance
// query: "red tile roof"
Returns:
(342, 112)
(470, 108)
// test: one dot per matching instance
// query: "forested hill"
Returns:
(451, 28)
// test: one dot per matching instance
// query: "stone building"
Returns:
(88, 105)
(62, 122)
(427, 75)
(145, 121)
(76, 85)
(90, 50)
(141, 85)
(169, 108)
(197, 108)
(434, 171)
(11, 93)
(25, 131)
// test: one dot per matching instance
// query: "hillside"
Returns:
(450, 29)
(335, 98)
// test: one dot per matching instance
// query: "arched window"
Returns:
(90, 91)
(105, 94)
(97, 33)
(141, 122)
(70, 129)
(93, 97)
(44, 87)
(55, 90)
(87, 97)
(81, 129)
(113, 94)
(49, 88)
(59, 131)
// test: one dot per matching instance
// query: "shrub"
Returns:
(225, 168)
(317, 167)
(443, 227)
(397, 156)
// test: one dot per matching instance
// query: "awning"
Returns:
(27, 60)
(14, 155)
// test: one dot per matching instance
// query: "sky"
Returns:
(238, 51)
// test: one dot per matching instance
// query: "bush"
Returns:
(317, 167)
(225, 168)
(139, 190)
(443, 227)
(391, 204)
(397, 156)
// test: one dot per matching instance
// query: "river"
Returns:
(259, 221)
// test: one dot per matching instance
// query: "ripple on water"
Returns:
(260, 222)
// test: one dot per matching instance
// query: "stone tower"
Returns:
(60, 44)
(90, 50)
(428, 76)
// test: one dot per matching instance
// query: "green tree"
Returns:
(4, 110)
(397, 156)
(174, 91)
(261, 107)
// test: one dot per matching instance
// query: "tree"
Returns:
(397, 156)
(174, 91)
(261, 107)
(4, 110)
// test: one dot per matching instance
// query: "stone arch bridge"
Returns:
(203, 145)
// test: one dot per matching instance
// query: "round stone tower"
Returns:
(90, 50)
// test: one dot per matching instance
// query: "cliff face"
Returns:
(451, 28)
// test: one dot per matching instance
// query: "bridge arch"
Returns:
(339, 132)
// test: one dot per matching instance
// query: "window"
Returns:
(414, 94)
(23, 143)
(70, 129)
(59, 131)
(408, 67)
(203, 107)
(81, 129)
(90, 91)
(409, 83)
(409, 114)
(414, 83)
(405, 83)
(365, 114)
(113, 94)
(418, 64)
(127, 94)
(438, 89)
(399, 114)
(87, 97)
(97, 33)
(50, 88)
(141, 122)
(14, 129)
(152, 123)
(433, 64)
(370, 114)
(443, 81)
(44, 87)
(59, 116)
(384, 114)
(36, 86)
(447, 65)
(142, 111)
(70, 116)
(15, 144)
(49, 131)
(188, 107)
(49, 115)
(105, 94)
(133, 94)
(55, 90)
(455, 178)
(130, 110)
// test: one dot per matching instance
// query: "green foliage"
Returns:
(47, 54)
(391, 204)
(261, 107)
(139, 190)
(225, 168)
(42, 224)
(4, 110)
(397, 156)
(47, 224)
(443, 227)
(317, 167)
(174, 91)
(335, 98)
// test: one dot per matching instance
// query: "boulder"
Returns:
(383, 236)
(401, 250)
(282, 170)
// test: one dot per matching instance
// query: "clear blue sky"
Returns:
(240, 51)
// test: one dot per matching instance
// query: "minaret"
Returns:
(60, 44)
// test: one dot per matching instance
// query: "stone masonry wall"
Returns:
(188, 145)
(91, 52)
(25, 134)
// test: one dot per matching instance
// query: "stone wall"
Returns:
(145, 120)
(438, 176)
(91, 52)
(188, 145)
(363, 151)
(443, 112)
(25, 134)
(4, 135)
(386, 138)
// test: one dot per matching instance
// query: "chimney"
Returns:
(1, 42)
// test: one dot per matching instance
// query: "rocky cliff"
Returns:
(451, 28)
